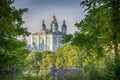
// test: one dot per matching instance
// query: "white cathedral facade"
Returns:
(48, 39)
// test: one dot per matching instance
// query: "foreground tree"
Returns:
(68, 57)
(99, 33)
(10, 29)
(38, 63)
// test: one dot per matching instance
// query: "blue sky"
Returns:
(69, 10)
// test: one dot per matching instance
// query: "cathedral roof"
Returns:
(54, 28)
(35, 33)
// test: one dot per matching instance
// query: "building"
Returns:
(48, 39)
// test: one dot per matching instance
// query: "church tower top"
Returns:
(64, 28)
(43, 21)
(54, 18)
(63, 21)
(43, 26)
(54, 25)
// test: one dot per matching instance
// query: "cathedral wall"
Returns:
(48, 39)
(56, 41)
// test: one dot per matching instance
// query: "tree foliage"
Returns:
(10, 29)
(99, 31)
(68, 57)
(66, 38)
(38, 63)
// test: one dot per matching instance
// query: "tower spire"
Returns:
(64, 21)
(54, 17)
(43, 21)
(43, 25)
(64, 28)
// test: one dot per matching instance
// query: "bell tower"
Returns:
(43, 26)
(54, 24)
(64, 28)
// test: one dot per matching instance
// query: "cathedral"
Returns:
(48, 39)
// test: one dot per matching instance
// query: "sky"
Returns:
(68, 10)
